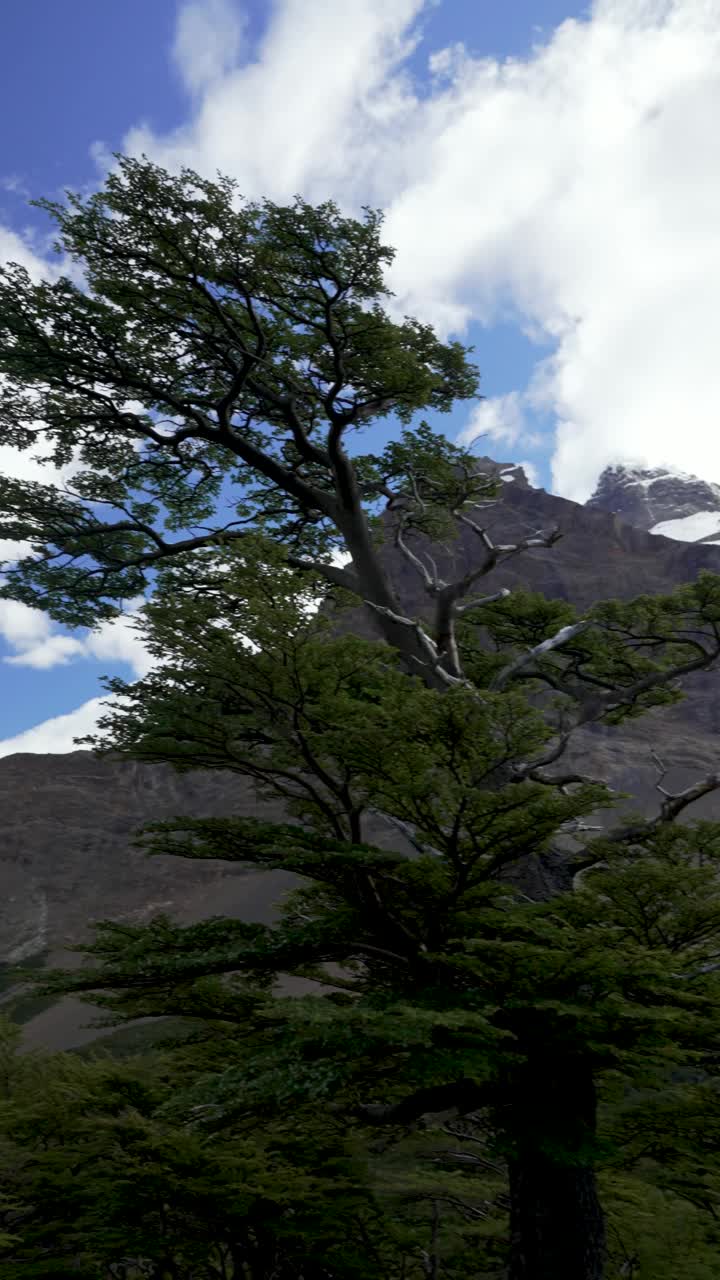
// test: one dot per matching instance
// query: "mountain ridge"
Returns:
(660, 500)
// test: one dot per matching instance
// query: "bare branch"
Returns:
(448, 595)
(428, 644)
(597, 706)
(671, 807)
(340, 577)
(430, 581)
(553, 642)
(594, 706)
(502, 594)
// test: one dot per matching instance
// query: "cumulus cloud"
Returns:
(31, 633)
(501, 418)
(22, 626)
(208, 39)
(13, 248)
(578, 188)
(55, 736)
(309, 108)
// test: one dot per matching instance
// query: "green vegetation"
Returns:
(25, 1003)
(506, 1068)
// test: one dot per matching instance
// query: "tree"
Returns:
(104, 1176)
(221, 344)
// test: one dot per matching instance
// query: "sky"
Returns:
(550, 178)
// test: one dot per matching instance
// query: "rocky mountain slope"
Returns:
(65, 848)
(660, 501)
(66, 860)
(601, 557)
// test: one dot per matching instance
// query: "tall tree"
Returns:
(215, 348)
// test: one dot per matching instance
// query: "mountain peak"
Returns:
(661, 500)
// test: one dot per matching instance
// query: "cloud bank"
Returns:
(208, 39)
(30, 632)
(577, 188)
(55, 736)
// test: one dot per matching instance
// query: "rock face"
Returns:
(600, 557)
(66, 860)
(672, 503)
(68, 820)
(68, 824)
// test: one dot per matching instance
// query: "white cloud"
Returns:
(56, 735)
(578, 187)
(30, 633)
(13, 248)
(10, 550)
(120, 640)
(52, 651)
(22, 626)
(31, 464)
(500, 418)
(208, 39)
(532, 473)
(15, 185)
(308, 110)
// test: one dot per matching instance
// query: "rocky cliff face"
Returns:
(68, 824)
(672, 503)
(600, 557)
(65, 849)
(66, 860)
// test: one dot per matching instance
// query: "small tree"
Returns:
(220, 347)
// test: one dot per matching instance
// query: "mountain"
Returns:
(661, 501)
(65, 848)
(66, 860)
(600, 557)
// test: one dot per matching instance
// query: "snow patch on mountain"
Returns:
(696, 528)
(647, 476)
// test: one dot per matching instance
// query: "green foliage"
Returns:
(111, 1163)
(253, 330)
(432, 481)
(447, 972)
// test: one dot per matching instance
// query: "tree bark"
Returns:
(557, 1229)
(556, 1223)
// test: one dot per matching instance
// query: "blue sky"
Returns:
(549, 173)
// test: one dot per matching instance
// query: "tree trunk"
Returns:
(557, 1230)
(556, 1222)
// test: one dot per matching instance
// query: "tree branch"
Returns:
(431, 582)
(339, 576)
(502, 594)
(672, 805)
(553, 642)
(464, 1095)
(427, 643)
